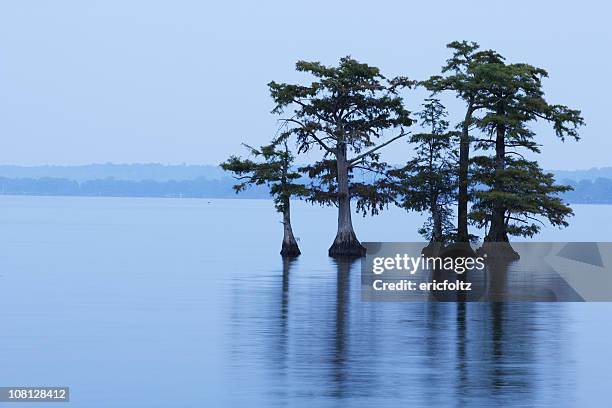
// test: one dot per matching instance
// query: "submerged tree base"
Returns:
(433, 249)
(347, 246)
(459, 250)
(290, 250)
(498, 251)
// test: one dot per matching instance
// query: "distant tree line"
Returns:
(109, 187)
(597, 191)
(350, 112)
(133, 172)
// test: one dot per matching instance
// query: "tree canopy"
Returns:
(343, 112)
(343, 115)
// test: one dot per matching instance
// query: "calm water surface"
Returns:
(186, 303)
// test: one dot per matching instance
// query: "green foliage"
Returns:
(342, 112)
(461, 75)
(346, 111)
(272, 167)
(371, 196)
(502, 101)
(462, 72)
(528, 194)
(428, 182)
(512, 99)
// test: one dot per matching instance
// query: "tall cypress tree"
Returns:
(272, 167)
(517, 194)
(343, 112)
(460, 75)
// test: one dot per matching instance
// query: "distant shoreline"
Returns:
(241, 197)
(181, 172)
(593, 186)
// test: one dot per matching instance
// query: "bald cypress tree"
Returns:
(517, 195)
(271, 166)
(427, 182)
(343, 112)
(461, 76)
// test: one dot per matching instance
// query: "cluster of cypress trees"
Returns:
(351, 111)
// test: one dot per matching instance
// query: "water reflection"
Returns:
(504, 281)
(303, 337)
(343, 275)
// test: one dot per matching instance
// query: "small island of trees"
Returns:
(351, 112)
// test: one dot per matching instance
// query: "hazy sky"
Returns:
(185, 81)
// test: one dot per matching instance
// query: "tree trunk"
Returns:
(436, 217)
(500, 247)
(345, 243)
(464, 163)
(436, 244)
(290, 247)
(498, 233)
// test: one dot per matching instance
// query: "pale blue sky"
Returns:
(185, 81)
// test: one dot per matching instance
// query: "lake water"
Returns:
(186, 303)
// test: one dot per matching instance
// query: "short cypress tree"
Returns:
(427, 182)
(272, 167)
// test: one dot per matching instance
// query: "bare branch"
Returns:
(382, 173)
(361, 156)
(517, 153)
(312, 134)
(524, 221)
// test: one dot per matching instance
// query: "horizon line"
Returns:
(184, 164)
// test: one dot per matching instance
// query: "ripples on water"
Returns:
(308, 337)
(186, 303)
